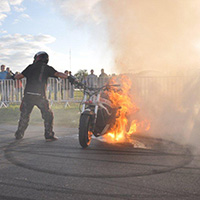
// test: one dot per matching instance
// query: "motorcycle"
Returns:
(97, 114)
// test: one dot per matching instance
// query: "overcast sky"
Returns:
(71, 32)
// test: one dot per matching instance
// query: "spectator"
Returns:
(84, 79)
(3, 73)
(103, 78)
(103, 74)
(9, 86)
(3, 91)
(9, 73)
(92, 79)
(71, 80)
(65, 85)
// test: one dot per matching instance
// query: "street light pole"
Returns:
(70, 59)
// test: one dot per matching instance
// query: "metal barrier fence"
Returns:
(58, 90)
(11, 91)
(162, 87)
(63, 91)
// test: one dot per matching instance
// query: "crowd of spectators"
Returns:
(90, 80)
(5, 73)
(6, 87)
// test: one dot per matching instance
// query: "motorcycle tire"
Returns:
(85, 135)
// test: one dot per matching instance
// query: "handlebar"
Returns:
(114, 85)
(107, 86)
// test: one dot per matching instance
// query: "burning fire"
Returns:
(123, 99)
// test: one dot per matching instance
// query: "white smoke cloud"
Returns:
(163, 36)
(154, 35)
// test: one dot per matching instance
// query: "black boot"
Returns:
(19, 135)
(50, 136)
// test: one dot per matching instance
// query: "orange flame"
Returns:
(125, 102)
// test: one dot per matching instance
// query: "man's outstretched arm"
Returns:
(61, 75)
(19, 76)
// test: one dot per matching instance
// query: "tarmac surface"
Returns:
(148, 169)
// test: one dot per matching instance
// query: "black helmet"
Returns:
(41, 56)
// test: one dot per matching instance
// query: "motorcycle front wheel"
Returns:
(85, 135)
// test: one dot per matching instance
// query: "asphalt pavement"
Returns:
(149, 168)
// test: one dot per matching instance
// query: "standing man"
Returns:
(103, 74)
(64, 86)
(10, 74)
(72, 80)
(103, 78)
(35, 94)
(92, 79)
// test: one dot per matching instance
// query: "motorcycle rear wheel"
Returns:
(85, 135)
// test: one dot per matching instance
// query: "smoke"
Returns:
(164, 36)
(143, 34)
(171, 104)
(154, 34)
